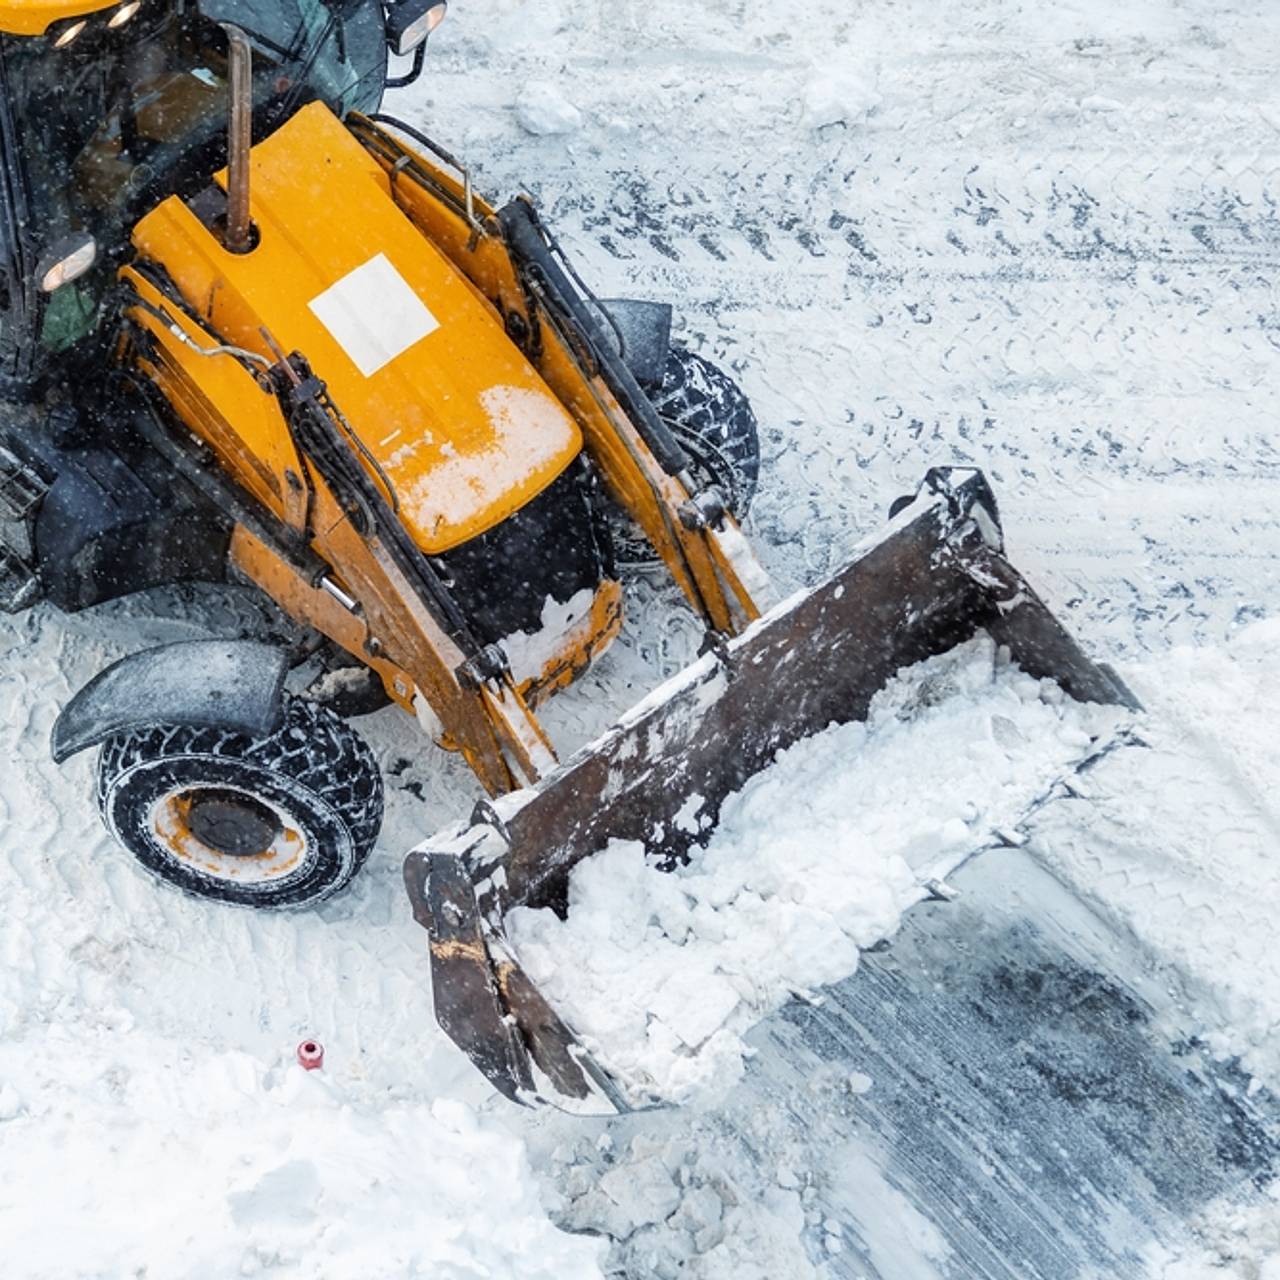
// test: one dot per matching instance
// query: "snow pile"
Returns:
(816, 858)
(172, 1162)
(673, 1213)
(152, 1120)
(1180, 840)
(1229, 1242)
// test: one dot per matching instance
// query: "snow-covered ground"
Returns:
(1041, 239)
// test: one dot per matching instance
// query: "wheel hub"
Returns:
(232, 823)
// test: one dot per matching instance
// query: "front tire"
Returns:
(710, 415)
(712, 420)
(282, 821)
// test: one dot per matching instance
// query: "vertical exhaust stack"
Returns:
(238, 237)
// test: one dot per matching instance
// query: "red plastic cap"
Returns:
(311, 1055)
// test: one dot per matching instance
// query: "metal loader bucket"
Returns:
(935, 577)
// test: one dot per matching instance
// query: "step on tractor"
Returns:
(256, 330)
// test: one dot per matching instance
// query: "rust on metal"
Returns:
(239, 233)
(551, 1044)
(456, 949)
(468, 1003)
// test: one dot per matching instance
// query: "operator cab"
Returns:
(110, 111)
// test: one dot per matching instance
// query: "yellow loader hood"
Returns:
(33, 17)
(419, 363)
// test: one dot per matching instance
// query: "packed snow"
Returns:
(817, 857)
(1180, 839)
(126, 1153)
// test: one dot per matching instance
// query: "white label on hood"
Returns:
(373, 314)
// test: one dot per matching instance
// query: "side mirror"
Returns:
(410, 22)
(65, 260)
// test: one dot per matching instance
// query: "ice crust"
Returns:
(815, 859)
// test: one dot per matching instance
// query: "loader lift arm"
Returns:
(328, 443)
(508, 256)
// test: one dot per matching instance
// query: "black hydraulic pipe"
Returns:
(528, 244)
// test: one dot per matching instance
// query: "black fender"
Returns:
(644, 331)
(230, 684)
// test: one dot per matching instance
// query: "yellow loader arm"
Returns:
(414, 440)
(508, 256)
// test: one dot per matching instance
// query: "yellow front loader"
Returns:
(257, 329)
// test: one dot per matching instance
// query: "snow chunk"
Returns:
(644, 1190)
(840, 97)
(544, 111)
(695, 1006)
(560, 627)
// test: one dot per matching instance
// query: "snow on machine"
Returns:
(256, 330)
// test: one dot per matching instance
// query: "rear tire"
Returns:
(282, 821)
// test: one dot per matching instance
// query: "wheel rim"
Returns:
(228, 833)
(230, 821)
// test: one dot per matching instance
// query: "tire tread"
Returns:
(312, 746)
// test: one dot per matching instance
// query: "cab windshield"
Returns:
(117, 120)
